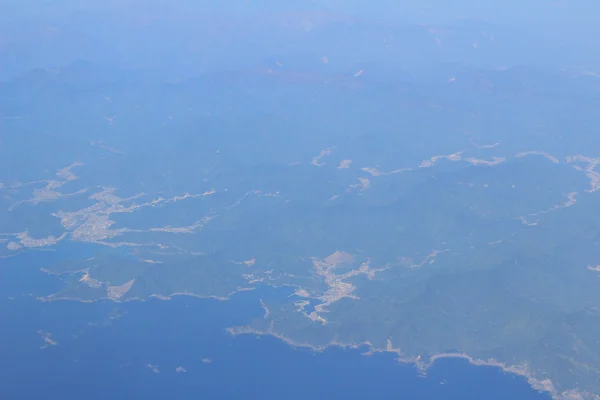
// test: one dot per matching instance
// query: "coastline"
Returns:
(51, 298)
(541, 385)
(422, 364)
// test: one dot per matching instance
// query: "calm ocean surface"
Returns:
(103, 351)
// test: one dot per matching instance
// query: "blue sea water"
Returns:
(103, 351)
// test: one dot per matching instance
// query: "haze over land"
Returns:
(426, 186)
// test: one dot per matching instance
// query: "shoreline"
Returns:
(541, 385)
(50, 298)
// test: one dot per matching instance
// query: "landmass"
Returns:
(406, 241)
